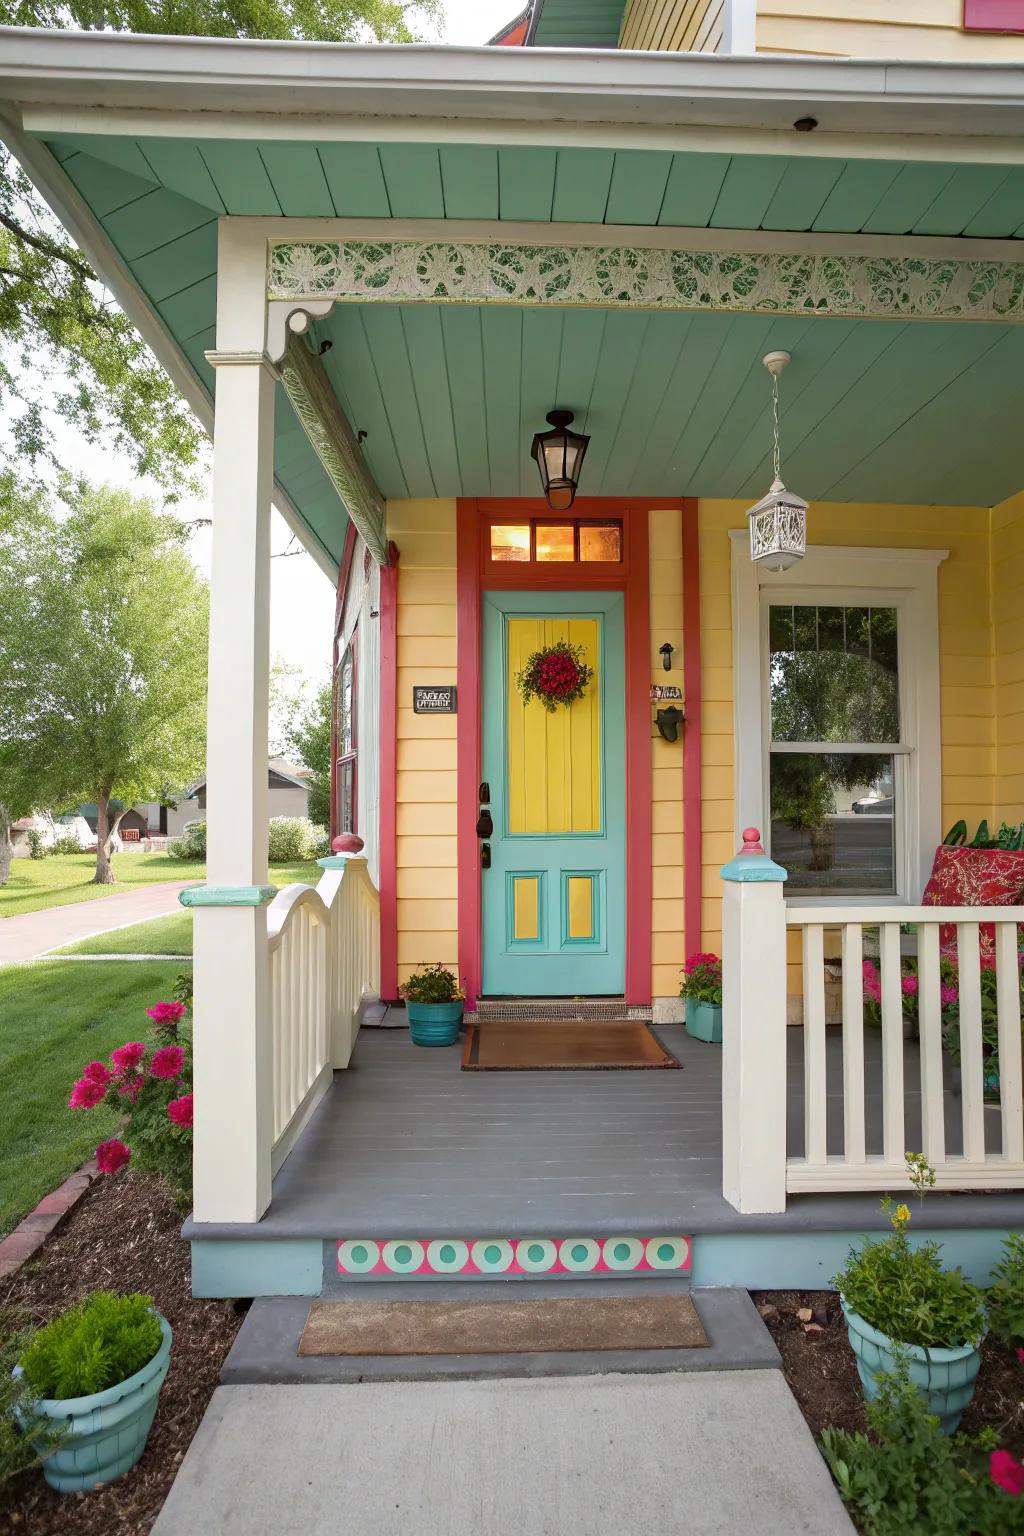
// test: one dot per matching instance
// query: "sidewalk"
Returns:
(719, 1453)
(31, 934)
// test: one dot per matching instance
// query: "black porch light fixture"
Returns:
(559, 454)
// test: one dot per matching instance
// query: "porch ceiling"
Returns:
(873, 410)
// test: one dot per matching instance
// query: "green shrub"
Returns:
(292, 839)
(1006, 1297)
(431, 984)
(65, 845)
(36, 846)
(906, 1293)
(19, 1423)
(95, 1345)
(191, 844)
(912, 1480)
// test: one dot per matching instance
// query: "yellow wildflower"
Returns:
(901, 1215)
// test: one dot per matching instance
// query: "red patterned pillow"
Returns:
(975, 877)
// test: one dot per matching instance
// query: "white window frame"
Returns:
(843, 575)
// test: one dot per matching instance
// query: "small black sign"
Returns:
(434, 701)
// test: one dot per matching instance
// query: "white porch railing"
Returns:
(968, 1143)
(324, 959)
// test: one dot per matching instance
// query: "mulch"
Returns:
(123, 1235)
(821, 1370)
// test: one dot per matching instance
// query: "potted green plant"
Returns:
(702, 990)
(94, 1374)
(902, 1307)
(434, 1005)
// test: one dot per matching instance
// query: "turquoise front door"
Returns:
(554, 894)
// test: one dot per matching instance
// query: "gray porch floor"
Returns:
(405, 1142)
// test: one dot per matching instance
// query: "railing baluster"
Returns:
(933, 1119)
(971, 1055)
(854, 1146)
(815, 1091)
(1008, 1015)
(893, 1145)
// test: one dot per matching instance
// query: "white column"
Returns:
(232, 1047)
(754, 1031)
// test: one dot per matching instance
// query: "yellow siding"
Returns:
(673, 26)
(1008, 636)
(968, 697)
(665, 540)
(877, 29)
(427, 850)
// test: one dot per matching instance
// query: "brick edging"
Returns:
(31, 1233)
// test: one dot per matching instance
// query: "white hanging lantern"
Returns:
(778, 523)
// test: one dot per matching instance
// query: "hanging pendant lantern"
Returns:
(778, 523)
(559, 454)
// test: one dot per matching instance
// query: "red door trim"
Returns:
(389, 777)
(634, 581)
(693, 860)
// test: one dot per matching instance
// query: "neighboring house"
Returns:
(288, 795)
(390, 267)
(21, 828)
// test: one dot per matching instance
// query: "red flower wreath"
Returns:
(559, 674)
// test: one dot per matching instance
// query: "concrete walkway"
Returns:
(30, 934)
(721, 1453)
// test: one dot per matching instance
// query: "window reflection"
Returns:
(600, 542)
(510, 543)
(833, 674)
(833, 821)
(555, 543)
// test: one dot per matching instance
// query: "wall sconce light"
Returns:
(665, 652)
(559, 454)
(778, 522)
(668, 722)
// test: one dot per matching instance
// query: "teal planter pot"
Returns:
(945, 1376)
(106, 1432)
(704, 1021)
(435, 1023)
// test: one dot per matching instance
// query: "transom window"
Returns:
(565, 540)
(836, 754)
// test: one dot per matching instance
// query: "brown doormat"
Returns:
(573, 1047)
(501, 1327)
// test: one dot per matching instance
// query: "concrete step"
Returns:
(266, 1349)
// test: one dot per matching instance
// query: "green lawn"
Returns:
(56, 882)
(173, 935)
(54, 1019)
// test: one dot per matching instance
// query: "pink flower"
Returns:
(949, 993)
(908, 986)
(701, 959)
(131, 1088)
(87, 1093)
(167, 1061)
(166, 1013)
(1006, 1473)
(179, 1111)
(127, 1057)
(112, 1155)
(988, 962)
(1020, 1356)
(96, 1072)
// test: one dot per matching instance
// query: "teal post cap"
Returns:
(334, 861)
(227, 895)
(752, 865)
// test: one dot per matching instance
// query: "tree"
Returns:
(67, 353)
(103, 651)
(310, 741)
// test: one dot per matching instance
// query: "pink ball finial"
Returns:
(751, 842)
(347, 843)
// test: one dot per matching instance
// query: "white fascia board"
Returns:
(553, 87)
(44, 171)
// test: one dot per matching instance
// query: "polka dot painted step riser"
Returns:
(526, 1256)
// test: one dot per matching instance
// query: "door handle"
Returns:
(484, 824)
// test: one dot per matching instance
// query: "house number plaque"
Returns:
(435, 701)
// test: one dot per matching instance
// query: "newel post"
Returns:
(754, 1031)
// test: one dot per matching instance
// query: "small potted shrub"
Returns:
(433, 1002)
(94, 1374)
(702, 990)
(903, 1308)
